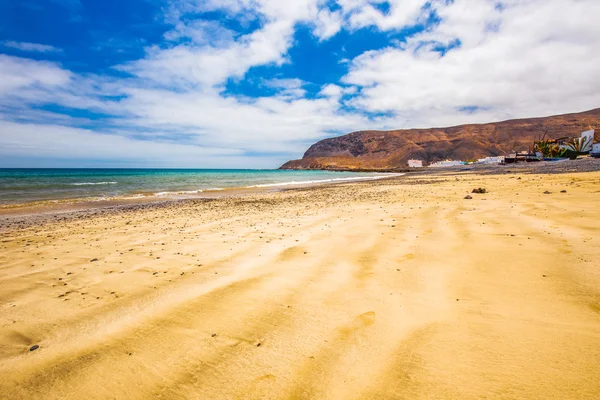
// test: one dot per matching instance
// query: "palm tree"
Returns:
(548, 148)
(578, 145)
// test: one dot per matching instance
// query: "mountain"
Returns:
(373, 150)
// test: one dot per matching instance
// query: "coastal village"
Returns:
(551, 150)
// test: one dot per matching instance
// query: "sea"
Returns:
(27, 185)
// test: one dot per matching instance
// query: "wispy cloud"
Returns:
(31, 47)
(20, 75)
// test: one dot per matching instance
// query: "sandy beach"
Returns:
(394, 289)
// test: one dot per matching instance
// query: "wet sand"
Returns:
(398, 289)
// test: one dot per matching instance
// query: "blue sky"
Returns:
(252, 83)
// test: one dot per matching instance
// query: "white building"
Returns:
(446, 163)
(415, 163)
(491, 160)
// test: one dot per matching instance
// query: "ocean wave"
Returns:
(92, 183)
(171, 193)
(348, 179)
(178, 192)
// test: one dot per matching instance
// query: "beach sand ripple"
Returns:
(376, 290)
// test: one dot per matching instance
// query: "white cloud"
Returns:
(327, 24)
(20, 73)
(363, 13)
(201, 33)
(206, 65)
(336, 91)
(59, 142)
(287, 88)
(267, 124)
(526, 58)
(31, 47)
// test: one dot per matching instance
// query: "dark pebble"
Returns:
(34, 347)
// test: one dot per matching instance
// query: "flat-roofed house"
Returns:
(415, 163)
(595, 150)
(491, 160)
(446, 163)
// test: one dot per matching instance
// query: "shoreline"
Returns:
(53, 208)
(26, 214)
(83, 203)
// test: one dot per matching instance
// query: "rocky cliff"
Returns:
(392, 149)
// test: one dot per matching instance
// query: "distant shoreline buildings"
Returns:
(583, 144)
(446, 163)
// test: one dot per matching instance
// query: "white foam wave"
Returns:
(289, 183)
(92, 183)
(179, 192)
(348, 179)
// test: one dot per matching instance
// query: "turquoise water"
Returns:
(28, 185)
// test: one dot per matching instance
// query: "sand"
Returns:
(380, 290)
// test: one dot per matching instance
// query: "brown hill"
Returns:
(392, 149)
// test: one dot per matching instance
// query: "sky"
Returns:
(252, 83)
